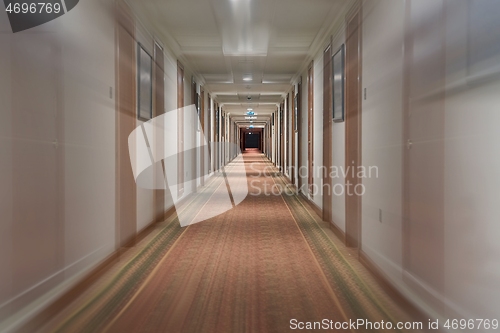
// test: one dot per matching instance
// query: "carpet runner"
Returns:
(254, 268)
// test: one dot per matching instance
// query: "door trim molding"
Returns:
(353, 203)
(327, 134)
(125, 122)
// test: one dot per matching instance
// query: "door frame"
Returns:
(159, 135)
(327, 133)
(292, 134)
(180, 130)
(287, 135)
(125, 123)
(202, 136)
(310, 127)
(193, 152)
(353, 126)
(216, 136)
(282, 137)
(299, 133)
(209, 134)
(438, 253)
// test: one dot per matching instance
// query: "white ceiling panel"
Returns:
(243, 48)
(209, 64)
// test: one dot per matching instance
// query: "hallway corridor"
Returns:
(240, 166)
(254, 268)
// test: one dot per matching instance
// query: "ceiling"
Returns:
(247, 52)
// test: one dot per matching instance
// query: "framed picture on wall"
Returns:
(144, 84)
(338, 75)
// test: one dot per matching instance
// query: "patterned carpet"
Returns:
(253, 268)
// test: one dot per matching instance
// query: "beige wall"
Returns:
(57, 142)
(470, 142)
(57, 148)
(318, 127)
(382, 132)
(471, 179)
(145, 197)
(6, 204)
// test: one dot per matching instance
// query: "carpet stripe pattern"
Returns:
(251, 269)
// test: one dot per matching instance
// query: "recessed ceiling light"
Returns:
(247, 79)
(249, 109)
